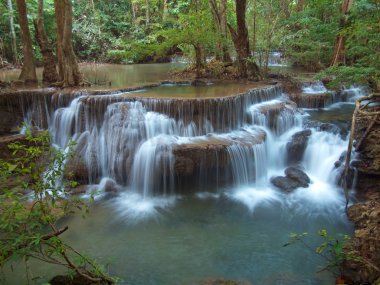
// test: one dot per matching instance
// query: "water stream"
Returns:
(194, 198)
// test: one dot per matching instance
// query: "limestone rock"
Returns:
(298, 175)
(365, 245)
(294, 178)
(284, 183)
(297, 146)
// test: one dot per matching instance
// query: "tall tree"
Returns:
(240, 38)
(339, 52)
(49, 73)
(147, 15)
(28, 70)
(219, 13)
(12, 31)
(69, 73)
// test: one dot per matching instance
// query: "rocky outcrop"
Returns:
(297, 146)
(294, 178)
(325, 127)
(369, 152)
(315, 101)
(278, 115)
(194, 159)
(211, 152)
(298, 175)
(364, 247)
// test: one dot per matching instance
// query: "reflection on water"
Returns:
(188, 91)
(113, 75)
(202, 237)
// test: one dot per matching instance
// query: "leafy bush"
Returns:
(32, 200)
(331, 250)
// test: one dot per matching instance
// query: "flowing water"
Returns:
(194, 198)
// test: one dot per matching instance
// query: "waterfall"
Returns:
(322, 151)
(154, 148)
(314, 88)
(153, 167)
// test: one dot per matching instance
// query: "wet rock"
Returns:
(10, 121)
(71, 280)
(76, 167)
(298, 175)
(324, 127)
(341, 160)
(78, 190)
(110, 186)
(211, 153)
(284, 183)
(294, 178)
(365, 244)
(297, 146)
(315, 101)
(198, 82)
(369, 152)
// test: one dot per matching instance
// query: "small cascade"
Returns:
(327, 146)
(65, 123)
(350, 94)
(315, 95)
(276, 115)
(314, 88)
(153, 167)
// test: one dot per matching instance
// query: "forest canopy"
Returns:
(341, 38)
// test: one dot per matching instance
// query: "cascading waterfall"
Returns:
(314, 88)
(146, 145)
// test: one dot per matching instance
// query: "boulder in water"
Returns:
(326, 127)
(294, 178)
(297, 146)
(298, 175)
(285, 183)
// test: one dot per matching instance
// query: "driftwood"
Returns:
(363, 108)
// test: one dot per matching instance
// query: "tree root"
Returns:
(363, 108)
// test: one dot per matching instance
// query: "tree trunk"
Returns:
(59, 6)
(199, 59)
(339, 52)
(240, 38)
(219, 13)
(165, 10)
(254, 27)
(223, 25)
(92, 5)
(49, 73)
(69, 72)
(12, 30)
(28, 70)
(147, 16)
(300, 6)
(133, 12)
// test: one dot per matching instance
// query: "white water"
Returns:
(233, 228)
(314, 88)
(133, 146)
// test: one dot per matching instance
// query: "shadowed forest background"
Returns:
(335, 37)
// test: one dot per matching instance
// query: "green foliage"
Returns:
(349, 75)
(311, 34)
(330, 249)
(362, 47)
(33, 199)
